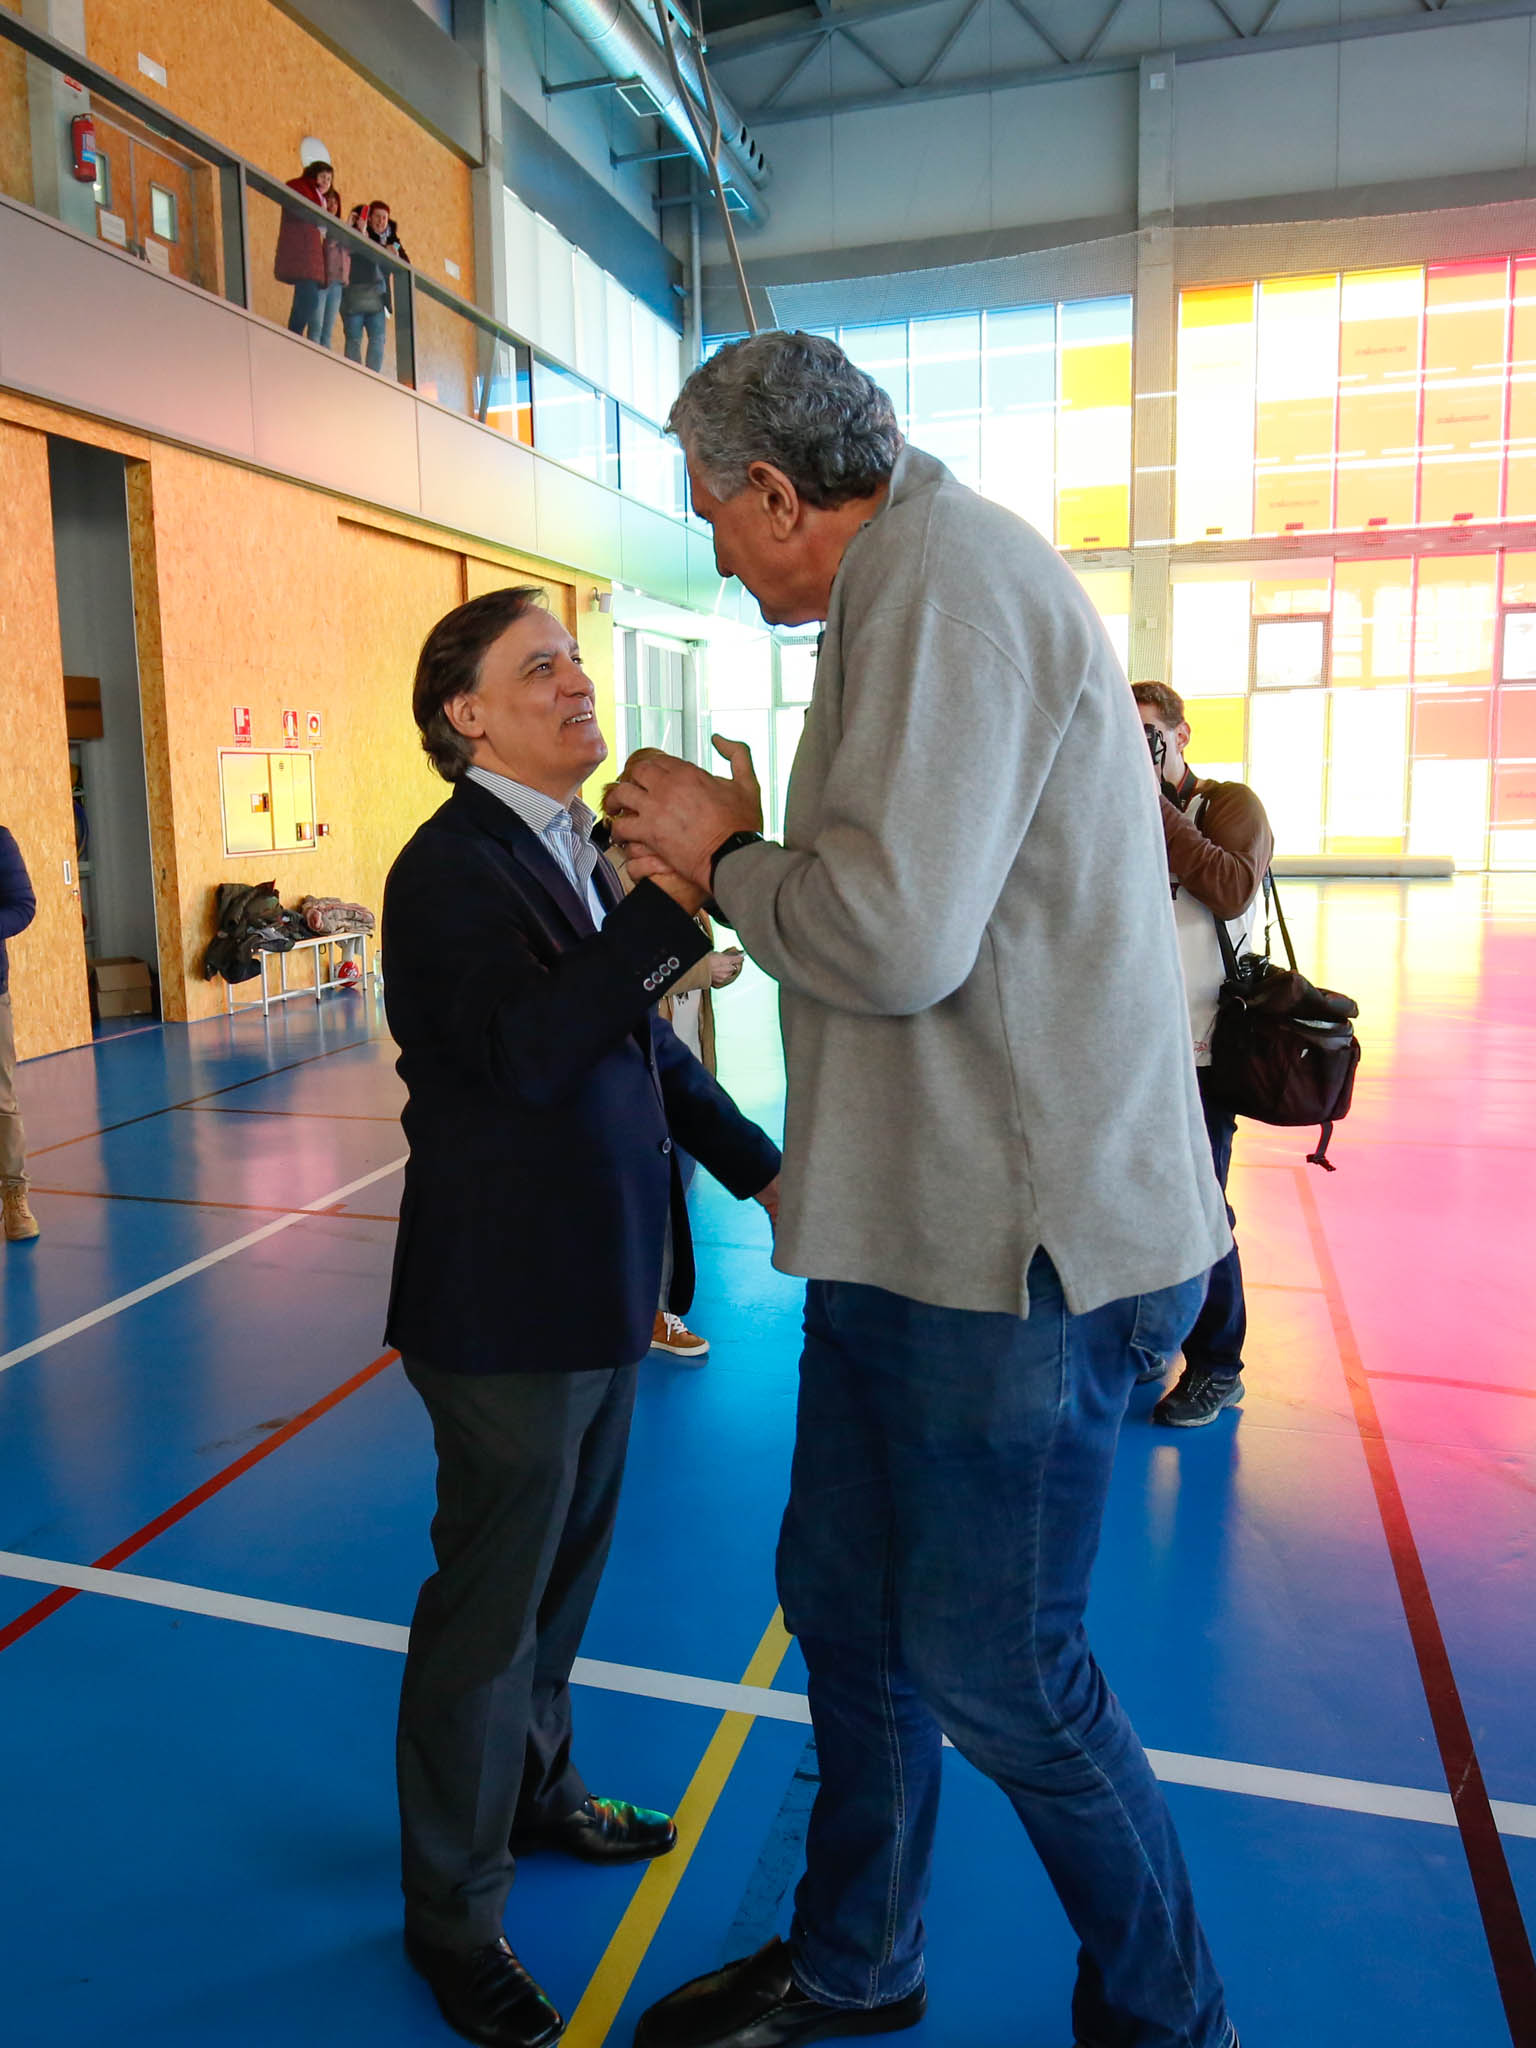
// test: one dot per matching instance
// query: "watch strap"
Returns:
(737, 839)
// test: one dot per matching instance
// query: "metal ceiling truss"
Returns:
(1232, 36)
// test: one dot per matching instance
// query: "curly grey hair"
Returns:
(793, 400)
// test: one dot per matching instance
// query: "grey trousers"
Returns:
(13, 1139)
(528, 1473)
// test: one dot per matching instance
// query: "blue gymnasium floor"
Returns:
(196, 1778)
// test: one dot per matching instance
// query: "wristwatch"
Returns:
(729, 846)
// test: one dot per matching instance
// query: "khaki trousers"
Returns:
(13, 1139)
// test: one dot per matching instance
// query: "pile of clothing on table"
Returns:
(251, 920)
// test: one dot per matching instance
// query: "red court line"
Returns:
(1425, 1379)
(321, 1116)
(179, 1510)
(1509, 1943)
(149, 1115)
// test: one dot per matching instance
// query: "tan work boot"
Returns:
(20, 1223)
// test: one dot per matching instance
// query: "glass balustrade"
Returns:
(145, 183)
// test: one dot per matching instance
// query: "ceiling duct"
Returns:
(617, 32)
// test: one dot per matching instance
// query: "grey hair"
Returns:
(793, 400)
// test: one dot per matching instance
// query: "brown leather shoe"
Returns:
(602, 1831)
(673, 1336)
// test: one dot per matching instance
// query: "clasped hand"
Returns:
(670, 816)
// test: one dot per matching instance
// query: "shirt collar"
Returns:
(537, 811)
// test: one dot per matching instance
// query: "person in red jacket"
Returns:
(300, 259)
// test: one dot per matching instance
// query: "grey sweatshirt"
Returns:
(969, 919)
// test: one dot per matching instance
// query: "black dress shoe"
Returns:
(602, 1831)
(756, 2003)
(486, 1995)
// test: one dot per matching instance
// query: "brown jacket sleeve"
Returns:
(1220, 861)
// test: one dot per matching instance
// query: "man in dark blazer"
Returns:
(545, 1097)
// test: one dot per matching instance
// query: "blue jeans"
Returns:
(325, 318)
(1215, 1344)
(949, 1482)
(305, 315)
(355, 325)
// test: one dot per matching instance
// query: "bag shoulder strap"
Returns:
(1285, 930)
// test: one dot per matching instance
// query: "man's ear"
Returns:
(1181, 737)
(463, 714)
(781, 502)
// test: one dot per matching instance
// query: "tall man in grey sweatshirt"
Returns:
(996, 1182)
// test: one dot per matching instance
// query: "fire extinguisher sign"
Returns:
(242, 725)
(290, 728)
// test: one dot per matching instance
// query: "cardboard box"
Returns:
(122, 973)
(125, 1002)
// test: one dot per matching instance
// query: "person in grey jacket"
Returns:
(996, 1182)
(18, 906)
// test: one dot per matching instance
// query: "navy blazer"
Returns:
(544, 1097)
(18, 905)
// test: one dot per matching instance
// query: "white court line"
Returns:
(1216, 1774)
(109, 1309)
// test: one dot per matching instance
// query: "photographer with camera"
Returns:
(1219, 846)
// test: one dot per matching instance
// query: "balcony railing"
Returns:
(185, 205)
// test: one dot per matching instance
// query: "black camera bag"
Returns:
(1283, 1051)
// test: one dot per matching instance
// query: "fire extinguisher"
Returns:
(82, 144)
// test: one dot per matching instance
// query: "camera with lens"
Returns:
(1157, 746)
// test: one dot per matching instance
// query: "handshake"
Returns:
(671, 818)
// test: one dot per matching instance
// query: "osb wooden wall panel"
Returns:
(75, 426)
(15, 129)
(313, 609)
(48, 982)
(253, 78)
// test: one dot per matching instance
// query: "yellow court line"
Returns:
(609, 1988)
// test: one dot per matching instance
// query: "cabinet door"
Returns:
(245, 786)
(293, 801)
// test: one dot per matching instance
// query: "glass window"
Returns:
(1380, 315)
(1452, 725)
(1367, 771)
(1219, 736)
(1214, 472)
(1302, 590)
(1210, 637)
(1290, 654)
(1462, 436)
(1018, 454)
(162, 213)
(1109, 591)
(797, 671)
(650, 465)
(1372, 621)
(1286, 761)
(1448, 810)
(946, 392)
(881, 352)
(1519, 659)
(1520, 479)
(569, 420)
(1093, 425)
(591, 316)
(1297, 380)
(1454, 620)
